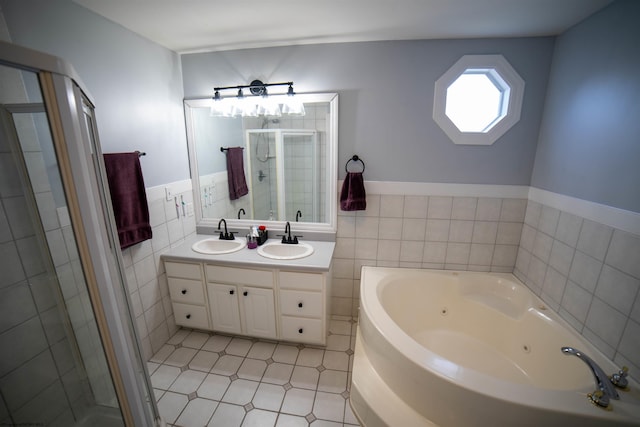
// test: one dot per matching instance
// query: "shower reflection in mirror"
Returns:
(287, 162)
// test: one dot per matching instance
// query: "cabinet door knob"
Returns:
(231, 292)
(188, 316)
(184, 292)
(300, 330)
(245, 293)
(300, 304)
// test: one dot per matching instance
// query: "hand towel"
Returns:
(128, 197)
(235, 173)
(353, 197)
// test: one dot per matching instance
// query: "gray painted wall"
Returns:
(589, 144)
(213, 133)
(135, 83)
(386, 102)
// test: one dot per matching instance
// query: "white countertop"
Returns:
(319, 260)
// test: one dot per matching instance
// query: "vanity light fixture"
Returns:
(260, 103)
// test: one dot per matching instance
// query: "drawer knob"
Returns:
(300, 330)
(300, 304)
(231, 292)
(188, 316)
(184, 292)
(245, 293)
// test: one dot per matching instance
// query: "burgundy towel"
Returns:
(235, 173)
(353, 197)
(128, 197)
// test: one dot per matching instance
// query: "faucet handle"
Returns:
(619, 379)
(599, 398)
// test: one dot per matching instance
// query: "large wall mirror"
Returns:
(290, 165)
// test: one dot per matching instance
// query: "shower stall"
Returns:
(283, 167)
(68, 349)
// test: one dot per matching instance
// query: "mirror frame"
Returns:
(209, 225)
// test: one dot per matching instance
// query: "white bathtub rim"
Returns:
(565, 401)
(383, 406)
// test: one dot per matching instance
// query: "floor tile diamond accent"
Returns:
(192, 396)
(287, 386)
(233, 377)
(345, 394)
(320, 368)
(349, 352)
(184, 368)
(222, 353)
(310, 418)
(269, 361)
(301, 346)
(178, 345)
(248, 407)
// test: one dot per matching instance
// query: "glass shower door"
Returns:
(68, 355)
(55, 372)
(300, 170)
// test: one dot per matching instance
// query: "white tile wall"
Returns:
(589, 273)
(146, 278)
(38, 379)
(462, 233)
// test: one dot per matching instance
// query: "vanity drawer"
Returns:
(304, 281)
(184, 270)
(302, 329)
(240, 276)
(300, 303)
(191, 316)
(186, 291)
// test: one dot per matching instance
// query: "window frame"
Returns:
(494, 64)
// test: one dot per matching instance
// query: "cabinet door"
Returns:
(225, 313)
(259, 312)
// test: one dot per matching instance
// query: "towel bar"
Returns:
(223, 149)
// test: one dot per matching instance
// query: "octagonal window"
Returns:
(478, 99)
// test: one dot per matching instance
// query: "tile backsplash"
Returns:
(146, 278)
(589, 273)
(456, 233)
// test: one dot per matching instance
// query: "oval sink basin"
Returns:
(277, 250)
(216, 247)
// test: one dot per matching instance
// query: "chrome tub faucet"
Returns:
(605, 386)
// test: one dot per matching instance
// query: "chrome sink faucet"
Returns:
(606, 389)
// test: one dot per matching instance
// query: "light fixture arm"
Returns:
(256, 87)
(248, 106)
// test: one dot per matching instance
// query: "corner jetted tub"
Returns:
(443, 348)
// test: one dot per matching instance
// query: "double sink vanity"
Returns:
(277, 291)
(281, 289)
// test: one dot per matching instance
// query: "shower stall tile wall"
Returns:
(441, 232)
(37, 358)
(589, 273)
(146, 278)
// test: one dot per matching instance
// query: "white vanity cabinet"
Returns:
(241, 301)
(244, 295)
(187, 294)
(303, 306)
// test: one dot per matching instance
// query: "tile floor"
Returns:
(206, 379)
